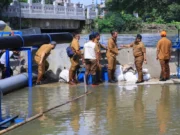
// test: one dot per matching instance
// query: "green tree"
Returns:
(173, 12)
(118, 21)
(3, 4)
(141, 6)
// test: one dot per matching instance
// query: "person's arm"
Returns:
(157, 52)
(145, 59)
(76, 48)
(128, 45)
(170, 51)
(111, 48)
(97, 54)
(144, 53)
(42, 57)
(104, 47)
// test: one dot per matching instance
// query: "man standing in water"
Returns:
(40, 58)
(99, 66)
(163, 55)
(74, 59)
(111, 54)
(139, 52)
(91, 59)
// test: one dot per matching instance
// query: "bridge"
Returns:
(50, 16)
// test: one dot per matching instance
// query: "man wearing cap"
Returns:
(99, 66)
(40, 58)
(139, 52)
(75, 59)
(163, 55)
(111, 54)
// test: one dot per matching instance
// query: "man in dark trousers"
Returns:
(139, 52)
(164, 46)
(91, 59)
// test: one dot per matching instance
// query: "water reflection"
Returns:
(111, 110)
(74, 113)
(139, 114)
(163, 109)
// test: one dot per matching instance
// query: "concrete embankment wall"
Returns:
(59, 59)
(126, 56)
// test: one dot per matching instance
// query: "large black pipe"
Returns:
(12, 42)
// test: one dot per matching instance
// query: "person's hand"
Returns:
(145, 61)
(40, 63)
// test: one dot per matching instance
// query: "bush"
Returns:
(118, 21)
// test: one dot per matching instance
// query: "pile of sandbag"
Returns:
(128, 73)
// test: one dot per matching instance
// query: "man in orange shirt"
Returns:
(40, 58)
(164, 55)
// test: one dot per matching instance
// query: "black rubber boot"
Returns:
(110, 77)
(94, 82)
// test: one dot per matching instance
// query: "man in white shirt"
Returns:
(91, 59)
(3, 62)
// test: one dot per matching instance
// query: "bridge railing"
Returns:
(35, 9)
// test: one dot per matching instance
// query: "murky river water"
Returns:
(148, 39)
(109, 110)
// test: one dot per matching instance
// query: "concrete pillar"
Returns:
(55, 7)
(29, 1)
(75, 9)
(96, 10)
(30, 6)
(88, 13)
(43, 6)
(43, 2)
(83, 10)
(65, 8)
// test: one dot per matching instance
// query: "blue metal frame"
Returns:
(19, 33)
(4, 121)
(7, 33)
(177, 47)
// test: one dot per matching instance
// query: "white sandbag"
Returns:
(146, 77)
(64, 76)
(120, 78)
(145, 70)
(130, 77)
(119, 73)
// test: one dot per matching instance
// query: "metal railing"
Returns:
(48, 11)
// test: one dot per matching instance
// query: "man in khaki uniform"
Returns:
(40, 58)
(75, 59)
(163, 55)
(139, 52)
(99, 66)
(111, 54)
